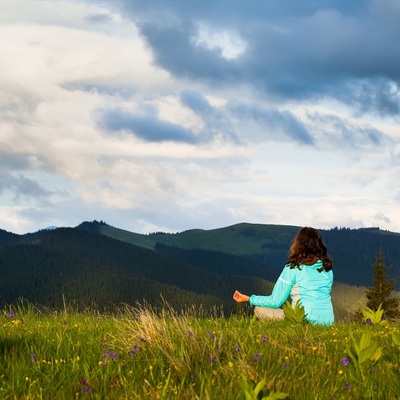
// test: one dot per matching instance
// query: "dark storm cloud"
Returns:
(147, 127)
(173, 49)
(294, 49)
(232, 12)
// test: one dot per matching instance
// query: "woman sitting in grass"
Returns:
(307, 276)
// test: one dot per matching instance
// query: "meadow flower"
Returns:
(212, 359)
(33, 357)
(257, 356)
(264, 338)
(111, 354)
(345, 361)
(347, 385)
(134, 350)
(236, 347)
(211, 334)
(85, 387)
(11, 314)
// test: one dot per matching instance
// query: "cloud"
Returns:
(275, 121)
(343, 133)
(136, 112)
(288, 50)
(22, 187)
(148, 127)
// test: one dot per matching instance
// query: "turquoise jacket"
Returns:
(315, 292)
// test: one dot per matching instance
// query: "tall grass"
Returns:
(143, 354)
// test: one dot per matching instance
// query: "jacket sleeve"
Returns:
(279, 294)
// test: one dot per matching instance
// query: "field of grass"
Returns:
(142, 354)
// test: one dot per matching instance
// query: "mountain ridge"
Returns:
(86, 265)
(354, 251)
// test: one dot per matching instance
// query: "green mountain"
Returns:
(70, 264)
(354, 251)
(101, 266)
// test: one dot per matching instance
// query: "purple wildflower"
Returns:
(236, 347)
(264, 338)
(368, 321)
(212, 359)
(11, 314)
(345, 361)
(33, 357)
(347, 385)
(257, 356)
(111, 354)
(134, 350)
(212, 336)
(85, 387)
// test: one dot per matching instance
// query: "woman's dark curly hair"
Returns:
(306, 246)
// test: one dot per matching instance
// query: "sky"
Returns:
(175, 115)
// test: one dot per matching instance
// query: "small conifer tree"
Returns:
(381, 292)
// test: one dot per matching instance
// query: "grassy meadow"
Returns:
(139, 353)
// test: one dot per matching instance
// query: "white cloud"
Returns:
(297, 162)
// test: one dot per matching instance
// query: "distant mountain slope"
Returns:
(94, 269)
(88, 266)
(354, 251)
(240, 239)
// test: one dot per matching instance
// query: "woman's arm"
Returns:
(279, 294)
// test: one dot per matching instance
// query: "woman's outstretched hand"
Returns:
(240, 297)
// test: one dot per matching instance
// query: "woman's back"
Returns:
(315, 292)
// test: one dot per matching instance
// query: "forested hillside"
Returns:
(88, 267)
(354, 251)
(91, 269)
